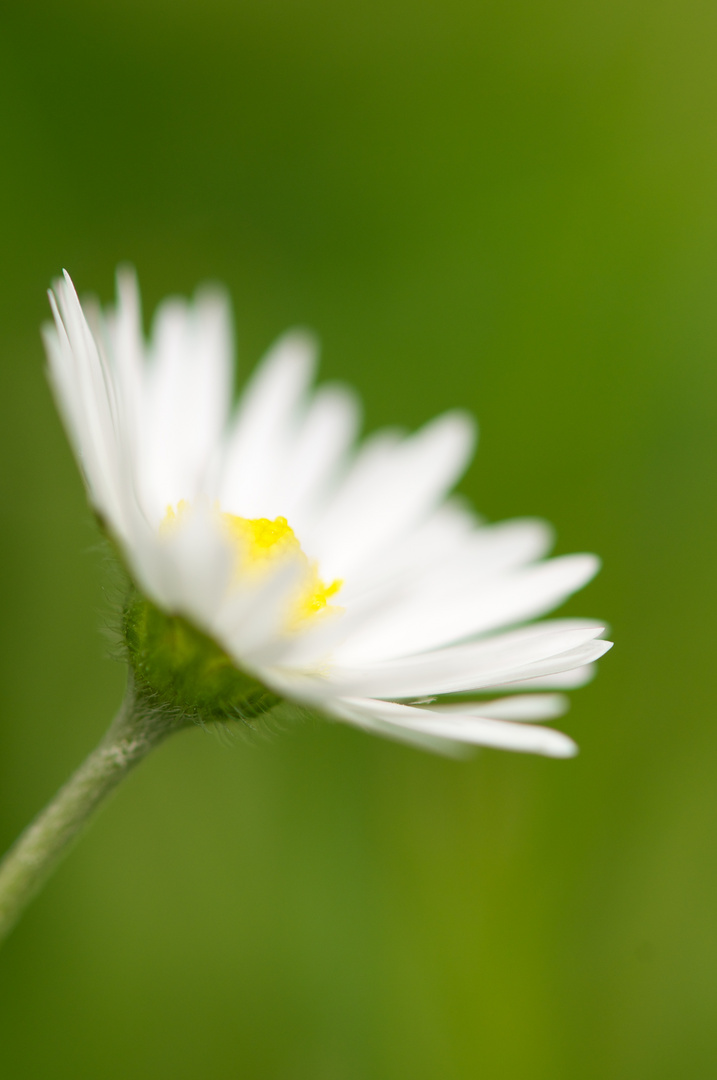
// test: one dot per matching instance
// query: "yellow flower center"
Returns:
(259, 543)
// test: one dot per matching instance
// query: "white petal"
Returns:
(261, 436)
(85, 394)
(450, 606)
(499, 734)
(188, 569)
(559, 680)
(322, 442)
(367, 719)
(254, 618)
(521, 707)
(390, 489)
(443, 536)
(188, 394)
(537, 650)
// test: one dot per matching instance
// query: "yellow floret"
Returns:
(260, 542)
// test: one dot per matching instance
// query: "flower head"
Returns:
(274, 560)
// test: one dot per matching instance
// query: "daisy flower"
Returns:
(276, 565)
(276, 560)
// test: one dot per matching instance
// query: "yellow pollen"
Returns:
(259, 543)
(172, 517)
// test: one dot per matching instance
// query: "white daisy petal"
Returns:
(259, 445)
(343, 579)
(450, 607)
(443, 535)
(197, 544)
(261, 627)
(538, 650)
(560, 680)
(523, 707)
(86, 397)
(458, 728)
(323, 441)
(188, 395)
(362, 715)
(390, 490)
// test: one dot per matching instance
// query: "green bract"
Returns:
(179, 667)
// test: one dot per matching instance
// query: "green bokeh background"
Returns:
(506, 205)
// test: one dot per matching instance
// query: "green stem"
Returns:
(135, 731)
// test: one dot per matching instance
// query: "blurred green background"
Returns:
(506, 205)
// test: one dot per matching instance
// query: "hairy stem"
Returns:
(135, 731)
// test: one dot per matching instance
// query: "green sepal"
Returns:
(180, 667)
